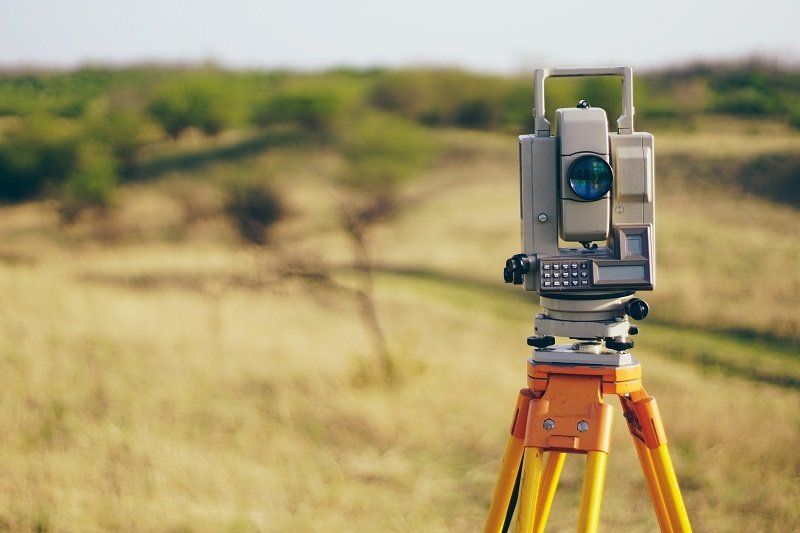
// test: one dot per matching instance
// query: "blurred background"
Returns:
(250, 259)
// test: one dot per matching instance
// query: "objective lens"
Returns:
(590, 177)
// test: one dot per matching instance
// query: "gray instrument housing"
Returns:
(624, 218)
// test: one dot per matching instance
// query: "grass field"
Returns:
(160, 376)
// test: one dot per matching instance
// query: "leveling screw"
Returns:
(583, 426)
(549, 424)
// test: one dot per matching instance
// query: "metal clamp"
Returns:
(624, 122)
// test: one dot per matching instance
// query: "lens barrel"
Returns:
(590, 177)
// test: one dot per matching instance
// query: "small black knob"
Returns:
(541, 342)
(633, 330)
(516, 266)
(637, 309)
(619, 345)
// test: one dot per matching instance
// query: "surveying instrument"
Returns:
(593, 190)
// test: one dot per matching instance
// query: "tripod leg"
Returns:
(528, 487)
(505, 485)
(671, 493)
(589, 517)
(644, 423)
(652, 485)
(547, 489)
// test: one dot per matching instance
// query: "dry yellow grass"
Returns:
(171, 387)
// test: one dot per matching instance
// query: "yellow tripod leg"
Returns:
(652, 485)
(528, 487)
(547, 489)
(504, 486)
(670, 492)
(589, 517)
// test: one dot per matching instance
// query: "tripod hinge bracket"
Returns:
(644, 420)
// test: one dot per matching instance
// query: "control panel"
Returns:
(627, 265)
(558, 274)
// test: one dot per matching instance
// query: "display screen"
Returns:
(620, 273)
(634, 244)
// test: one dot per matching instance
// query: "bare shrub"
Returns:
(254, 208)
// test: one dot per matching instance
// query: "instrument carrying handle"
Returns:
(624, 122)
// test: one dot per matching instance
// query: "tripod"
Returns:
(562, 411)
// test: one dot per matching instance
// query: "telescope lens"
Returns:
(590, 177)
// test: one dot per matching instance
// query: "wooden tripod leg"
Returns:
(547, 489)
(505, 485)
(652, 485)
(589, 517)
(528, 487)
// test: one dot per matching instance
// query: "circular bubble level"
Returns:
(590, 177)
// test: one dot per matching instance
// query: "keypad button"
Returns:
(546, 266)
(584, 282)
(575, 273)
(556, 266)
(565, 266)
(584, 265)
(574, 282)
(574, 265)
(547, 275)
(546, 283)
(556, 274)
(556, 283)
(584, 274)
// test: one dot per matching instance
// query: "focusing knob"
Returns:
(637, 309)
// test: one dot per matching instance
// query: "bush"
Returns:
(198, 103)
(123, 132)
(92, 182)
(476, 113)
(382, 151)
(446, 98)
(794, 119)
(34, 156)
(749, 101)
(307, 109)
(254, 208)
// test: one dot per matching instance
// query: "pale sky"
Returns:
(501, 35)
